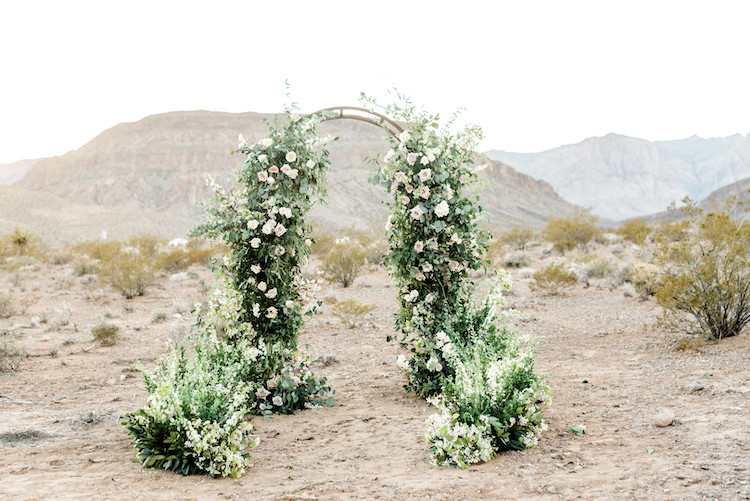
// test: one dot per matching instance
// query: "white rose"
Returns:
(425, 174)
(310, 164)
(427, 267)
(441, 209)
(289, 304)
(277, 401)
(255, 268)
(286, 169)
(271, 312)
(416, 212)
(389, 155)
(419, 246)
(273, 170)
(280, 230)
(424, 160)
(411, 158)
(293, 173)
(424, 192)
(252, 224)
(290, 156)
(266, 142)
(256, 310)
(285, 211)
(271, 180)
(255, 243)
(262, 158)
(404, 136)
(262, 287)
(269, 227)
(272, 293)
(262, 176)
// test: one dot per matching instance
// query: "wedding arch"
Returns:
(462, 356)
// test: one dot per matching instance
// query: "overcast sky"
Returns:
(533, 74)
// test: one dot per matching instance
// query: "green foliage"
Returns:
(343, 262)
(553, 279)
(635, 230)
(11, 355)
(193, 418)
(704, 284)
(105, 333)
(350, 312)
(576, 230)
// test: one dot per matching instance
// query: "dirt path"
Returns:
(61, 412)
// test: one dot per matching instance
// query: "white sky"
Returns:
(533, 74)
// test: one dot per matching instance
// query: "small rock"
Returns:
(696, 386)
(59, 398)
(664, 418)
(552, 489)
(36, 320)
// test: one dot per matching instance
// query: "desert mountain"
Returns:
(621, 177)
(149, 175)
(12, 172)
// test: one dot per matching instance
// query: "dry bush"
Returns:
(350, 312)
(645, 279)
(98, 250)
(518, 237)
(10, 354)
(576, 230)
(323, 241)
(128, 272)
(8, 305)
(343, 262)
(635, 230)
(159, 317)
(553, 279)
(105, 333)
(598, 267)
(517, 259)
(705, 277)
(147, 244)
(672, 232)
(84, 267)
(690, 343)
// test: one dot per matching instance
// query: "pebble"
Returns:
(59, 398)
(552, 489)
(664, 418)
(696, 386)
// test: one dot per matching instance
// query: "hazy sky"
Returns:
(533, 74)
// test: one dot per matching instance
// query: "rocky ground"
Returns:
(610, 372)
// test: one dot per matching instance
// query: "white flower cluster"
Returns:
(456, 443)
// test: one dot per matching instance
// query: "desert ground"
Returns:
(608, 367)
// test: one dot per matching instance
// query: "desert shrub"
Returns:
(646, 278)
(84, 267)
(553, 279)
(566, 233)
(158, 317)
(8, 305)
(672, 231)
(517, 259)
(322, 241)
(19, 242)
(690, 343)
(598, 267)
(11, 355)
(350, 312)
(98, 250)
(105, 333)
(518, 237)
(128, 271)
(147, 244)
(343, 262)
(705, 277)
(635, 230)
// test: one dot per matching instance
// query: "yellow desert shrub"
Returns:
(576, 230)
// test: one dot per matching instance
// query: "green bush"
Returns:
(553, 279)
(343, 262)
(576, 230)
(635, 230)
(704, 284)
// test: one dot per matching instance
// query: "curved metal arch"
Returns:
(392, 127)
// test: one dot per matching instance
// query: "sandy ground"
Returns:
(609, 369)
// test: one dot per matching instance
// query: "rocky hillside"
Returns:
(621, 177)
(150, 176)
(15, 171)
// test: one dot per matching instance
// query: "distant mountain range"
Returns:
(149, 176)
(621, 177)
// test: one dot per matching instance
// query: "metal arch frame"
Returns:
(391, 126)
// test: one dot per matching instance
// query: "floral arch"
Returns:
(463, 357)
